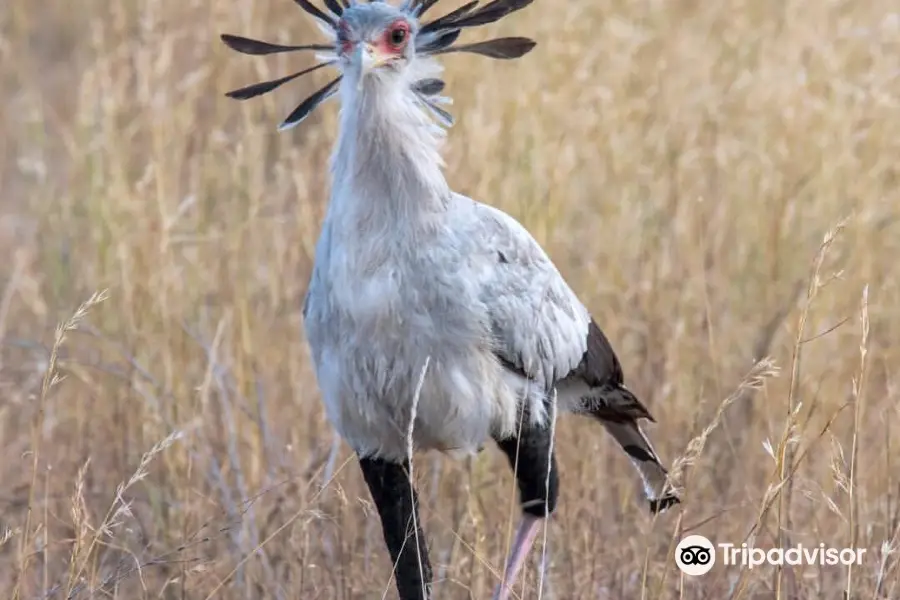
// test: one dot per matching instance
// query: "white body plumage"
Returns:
(406, 270)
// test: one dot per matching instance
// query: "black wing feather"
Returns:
(600, 365)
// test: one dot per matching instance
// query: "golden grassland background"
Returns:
(681, 161)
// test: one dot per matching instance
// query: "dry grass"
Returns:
(682, 162)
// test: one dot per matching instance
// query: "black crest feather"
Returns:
(437, 37)
(500, 48)
(439, 112)
(424, 5)
(256, 47)
(307, 106)
(310, 8)
(428, 87)
(264, 87)
(489, 13)
(443, 40)
(449, 17)
(335, 7)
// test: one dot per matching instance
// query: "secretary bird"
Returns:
(437, 322)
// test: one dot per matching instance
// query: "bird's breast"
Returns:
(373, 328)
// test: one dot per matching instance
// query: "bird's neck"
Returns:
(387, 167)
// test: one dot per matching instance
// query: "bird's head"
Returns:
(374, 40)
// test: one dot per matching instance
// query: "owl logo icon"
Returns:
(695, 555)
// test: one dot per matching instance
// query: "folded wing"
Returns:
(545, 335)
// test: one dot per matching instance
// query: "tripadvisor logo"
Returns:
(696, 555)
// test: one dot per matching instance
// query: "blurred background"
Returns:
(681, 161)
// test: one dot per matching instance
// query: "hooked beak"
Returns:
(370, 59)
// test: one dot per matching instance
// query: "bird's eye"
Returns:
(398, 36)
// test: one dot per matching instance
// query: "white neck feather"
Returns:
(386, 165)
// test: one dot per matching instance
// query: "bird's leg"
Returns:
(398, 506)
(533, 460)
(524, 540)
